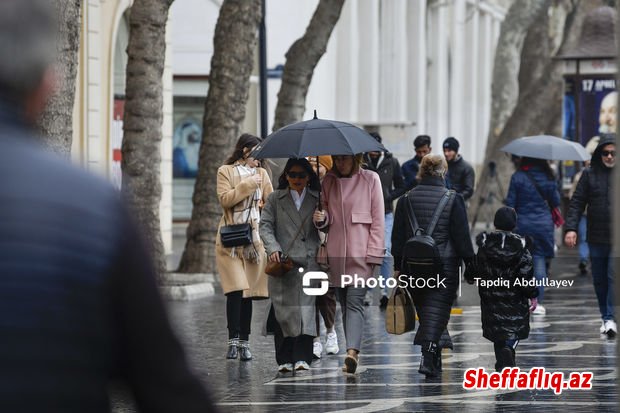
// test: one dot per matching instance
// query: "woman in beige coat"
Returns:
(242, 189)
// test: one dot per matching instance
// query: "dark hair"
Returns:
(541, 163)
(313, 183)
(421, 140)
(245, 141)
(376, 136)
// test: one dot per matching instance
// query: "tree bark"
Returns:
(56, 122)
(229, 81)
(538, 85)
(142, 123)
(301, 59)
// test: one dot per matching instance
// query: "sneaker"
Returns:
(540, 310)
(331, 344)
(611, 329)
(317, 349)
(384, 302)
(301, 365)
(603, 330)
(583, 268)
(285, 368)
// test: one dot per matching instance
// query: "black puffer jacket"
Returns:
(594, 191)
(461, 177)
(504, 258)
(392, 183)
(452, 238)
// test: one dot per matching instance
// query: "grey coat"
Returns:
(279, 224)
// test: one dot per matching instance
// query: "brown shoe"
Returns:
(350, 362)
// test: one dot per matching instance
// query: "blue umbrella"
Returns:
(547, 147)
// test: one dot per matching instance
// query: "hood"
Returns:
(606, 139)
(502, 249)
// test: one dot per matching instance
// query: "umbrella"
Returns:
(547, 147)
(316, 137)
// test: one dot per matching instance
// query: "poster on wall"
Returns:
(186, 147)
(598, 104)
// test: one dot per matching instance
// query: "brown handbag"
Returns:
(279, 269)
(400, 312)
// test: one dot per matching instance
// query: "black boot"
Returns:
(505, 358)
(427, 362)
(437, 361)
(233, 352)
(244, 350)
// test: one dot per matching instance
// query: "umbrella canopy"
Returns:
(547, 147)
(316, 137)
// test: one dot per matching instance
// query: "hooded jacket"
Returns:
(594, 192)
(504, 258)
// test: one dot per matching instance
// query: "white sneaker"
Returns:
(331, 344)
(540, 310)
(611, 329)
(284, 368)
(317, 349)
(602, 330)
(302, 365)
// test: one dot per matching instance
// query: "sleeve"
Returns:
(230, 196)
(398, 181)
(375, 251)
(468, 182)
(152, 358)
(459, 229)
(511, 198)
(578, 203)
(526, 272)
(554, 196)
(267, 187)
(267, 227)
(399, 231)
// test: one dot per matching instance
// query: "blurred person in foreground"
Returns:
(80, 301)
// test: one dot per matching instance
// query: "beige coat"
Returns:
(237, 273)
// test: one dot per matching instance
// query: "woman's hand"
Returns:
(318, 217)
(258, 179)
(274, 257)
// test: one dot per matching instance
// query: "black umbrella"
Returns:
(316, 137)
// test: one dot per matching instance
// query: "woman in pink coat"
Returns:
(353, 213)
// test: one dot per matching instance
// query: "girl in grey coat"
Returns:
(286, 228)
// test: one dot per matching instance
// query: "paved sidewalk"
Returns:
(566, 340)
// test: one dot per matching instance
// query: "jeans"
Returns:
(387, 266)
(540, 273)
(603, 278)
(584, 251)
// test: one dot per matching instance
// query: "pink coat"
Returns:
(356, 218)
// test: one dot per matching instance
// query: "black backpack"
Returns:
(420, 257)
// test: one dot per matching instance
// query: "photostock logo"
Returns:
(314, 275)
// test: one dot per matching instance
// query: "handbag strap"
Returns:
(297, 234)
(434, 219)
(539, 191)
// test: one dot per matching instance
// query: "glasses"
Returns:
(300, 175)
(607, 153)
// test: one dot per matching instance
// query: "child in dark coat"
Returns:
(501, 269)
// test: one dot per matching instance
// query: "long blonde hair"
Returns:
(358, 162)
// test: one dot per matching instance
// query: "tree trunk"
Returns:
(538, 85)
(142, 123)
(301, 59)
(56, 122)
(229, 81)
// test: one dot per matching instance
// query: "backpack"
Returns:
(420, 257)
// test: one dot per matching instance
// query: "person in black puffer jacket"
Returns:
(594, 192)
(501, 266)
(452, 238)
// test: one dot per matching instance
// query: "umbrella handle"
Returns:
(317, 173)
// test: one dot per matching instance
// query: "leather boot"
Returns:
(232, 348)
(427, 362)
(437, 361)
(244, 350)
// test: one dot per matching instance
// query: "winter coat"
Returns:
(410, 171)
(461, 177)
(237, 273)
(392, 183)
(533, 213)
(280, 223)
(505, 310)
(355, 221)
(451, 236)
(594, 192)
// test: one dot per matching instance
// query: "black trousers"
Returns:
(290, 349)
(238, 315)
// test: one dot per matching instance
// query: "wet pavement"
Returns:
(565, 340)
